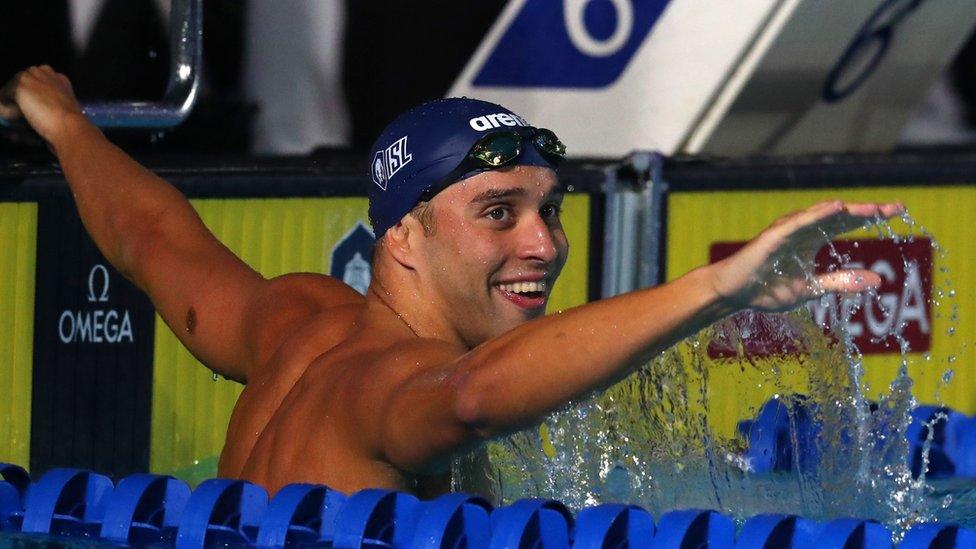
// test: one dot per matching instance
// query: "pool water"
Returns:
(652, 440)
(37, 541)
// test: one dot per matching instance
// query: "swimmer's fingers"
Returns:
(873, 210)
(808, 230)
(835, 217)
(846, 282)
(856, 215)
(45, 100)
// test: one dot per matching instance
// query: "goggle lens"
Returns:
(498, 149)
(548, 142)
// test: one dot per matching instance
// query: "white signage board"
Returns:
(723, 77)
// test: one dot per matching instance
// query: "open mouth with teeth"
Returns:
(527, 295)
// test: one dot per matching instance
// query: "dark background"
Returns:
(127, 57)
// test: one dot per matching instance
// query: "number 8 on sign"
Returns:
(865, 52)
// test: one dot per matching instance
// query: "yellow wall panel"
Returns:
(736, 389)
(18, 244)
(190, 409)
(571, 288)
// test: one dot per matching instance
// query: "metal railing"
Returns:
(186, 53)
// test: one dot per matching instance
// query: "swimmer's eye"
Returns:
(499, 213)
(551, 211)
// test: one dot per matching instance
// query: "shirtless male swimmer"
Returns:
(449, 347)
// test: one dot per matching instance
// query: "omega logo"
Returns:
(103, 296)
(96, 325)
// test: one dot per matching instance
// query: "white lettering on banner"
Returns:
(913, 300)
(579, 35)
(497, 120)
(95, 327)
(883, 314)
(901, 304)
(98, 325)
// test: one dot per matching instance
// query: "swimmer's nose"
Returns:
(537, 242)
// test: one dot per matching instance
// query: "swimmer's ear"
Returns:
(397, 242)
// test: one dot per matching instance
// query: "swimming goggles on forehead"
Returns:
(499, 149)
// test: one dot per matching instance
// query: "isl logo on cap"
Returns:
(387, 162)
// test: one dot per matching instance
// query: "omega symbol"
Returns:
(93, 296)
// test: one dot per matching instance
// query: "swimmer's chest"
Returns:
(304, 357)
(310, 435)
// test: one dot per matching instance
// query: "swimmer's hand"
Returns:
(44, 98)
(773, 272)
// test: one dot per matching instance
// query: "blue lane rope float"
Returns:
(453, 520)
(777, 530)
(929, 426)
(613, 525)
(157, 511)
(784, 436)
(531, 523)
(938, 536)
(11, 508)
(144, 510)
(770, 436)
(375, 518)
(849, 533)
(17, 477)
(300, 514)
(694, 528)
(68, 503)
(221, 512)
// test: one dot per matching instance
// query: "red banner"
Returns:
(903, 302)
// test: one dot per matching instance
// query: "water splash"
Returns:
(655, 439)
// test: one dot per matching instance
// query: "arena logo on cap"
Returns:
(387, 162)
(497, 120)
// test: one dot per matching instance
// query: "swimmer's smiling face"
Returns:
(495, 250)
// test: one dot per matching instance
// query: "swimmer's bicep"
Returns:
(201, 290)
(227, 314)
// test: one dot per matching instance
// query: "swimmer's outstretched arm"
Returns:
(515, 380)
(149, 231)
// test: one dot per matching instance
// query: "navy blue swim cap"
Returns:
(423, 145)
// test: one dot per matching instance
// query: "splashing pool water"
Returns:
(659, 440)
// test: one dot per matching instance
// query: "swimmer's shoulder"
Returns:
(313, 288)
(286, 304)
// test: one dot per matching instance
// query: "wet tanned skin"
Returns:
(346, 361)
(440, 355)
